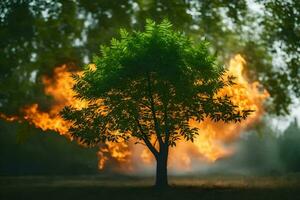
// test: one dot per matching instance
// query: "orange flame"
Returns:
(209, 145)
(211, 142)
(9, 118)
(60, 88)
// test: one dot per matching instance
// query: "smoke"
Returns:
(261, 151)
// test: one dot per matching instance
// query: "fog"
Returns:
(262, 151)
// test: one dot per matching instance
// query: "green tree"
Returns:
(147, 86)
(282, 35)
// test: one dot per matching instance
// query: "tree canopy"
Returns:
(150, 82)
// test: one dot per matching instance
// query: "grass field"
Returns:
(124, 187)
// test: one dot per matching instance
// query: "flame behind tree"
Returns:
(151, 86)
(209, 144)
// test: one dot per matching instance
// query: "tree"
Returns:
(281, 34)
(148, 86)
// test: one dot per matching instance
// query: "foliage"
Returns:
(150, 84)
(281, 23)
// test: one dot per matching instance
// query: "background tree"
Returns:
(147, 86)
(281, 35)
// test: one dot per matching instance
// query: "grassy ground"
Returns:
(122, 187)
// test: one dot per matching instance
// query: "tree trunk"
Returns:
(161, 169)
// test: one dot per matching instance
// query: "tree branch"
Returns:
(146, 140)
(150, 96)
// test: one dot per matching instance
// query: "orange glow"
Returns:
(209, 145)
(8, 118)
(46, 121)
(59, 87)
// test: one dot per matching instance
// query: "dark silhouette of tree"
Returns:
(147, 86)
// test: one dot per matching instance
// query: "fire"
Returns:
(8, 118)
(60, 88)
(46, 121)
(210, 144)
(213, 136)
